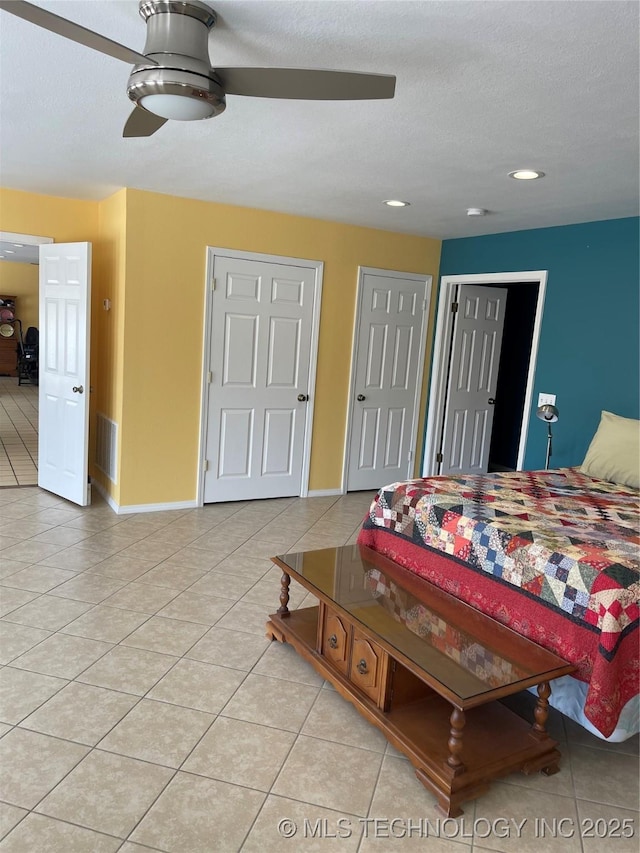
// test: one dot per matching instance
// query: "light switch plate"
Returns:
(546, 399)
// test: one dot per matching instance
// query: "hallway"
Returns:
(18, 433)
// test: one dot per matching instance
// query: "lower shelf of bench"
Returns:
(495, 741)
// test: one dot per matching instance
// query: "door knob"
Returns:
(360, 398)
(491, 401)
(302, 398)
(78, 389)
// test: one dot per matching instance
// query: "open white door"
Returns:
(473, 376)
(63, 435)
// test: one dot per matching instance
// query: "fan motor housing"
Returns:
(175, 27)
(177, 40)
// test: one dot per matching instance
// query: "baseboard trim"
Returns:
(104, 494)
(129, 509)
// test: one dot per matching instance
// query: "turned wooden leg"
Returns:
(542, 710)
(457, 721)
(283, 610)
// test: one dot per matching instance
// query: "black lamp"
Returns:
(549, 414)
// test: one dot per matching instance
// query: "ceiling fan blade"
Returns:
(70, 30)
(142, 123)
(306, 83)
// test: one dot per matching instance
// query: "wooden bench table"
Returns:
(425, 668)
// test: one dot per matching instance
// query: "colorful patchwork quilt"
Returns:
(552, 554)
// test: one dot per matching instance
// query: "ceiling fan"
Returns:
(174, 79)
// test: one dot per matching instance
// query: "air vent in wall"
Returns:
(106, 446)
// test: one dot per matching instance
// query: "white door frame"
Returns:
(318, 267)
(427, 280)
(440, 363)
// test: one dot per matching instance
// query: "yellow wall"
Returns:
(21, 280)
(107, 332)
(149, 254)
(66, 221)
(163, 336)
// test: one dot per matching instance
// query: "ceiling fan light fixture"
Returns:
(176, 107)
(173, 77)
(182, 85)
(175, 94)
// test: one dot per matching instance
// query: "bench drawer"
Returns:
(335, 641)
(369, 667)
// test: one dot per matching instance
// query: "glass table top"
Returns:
(467, 652)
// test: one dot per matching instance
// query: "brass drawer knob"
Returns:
(333, 641)
(362, 667)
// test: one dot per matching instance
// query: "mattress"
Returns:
(551, 554)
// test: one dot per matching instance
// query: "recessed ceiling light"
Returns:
(9, 251)
(526, 174)
(19, 245)
(394, 202)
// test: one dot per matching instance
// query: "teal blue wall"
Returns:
(589, 345)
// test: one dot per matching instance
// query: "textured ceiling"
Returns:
(482, 88)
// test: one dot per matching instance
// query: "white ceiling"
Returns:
(483, 88)
(19, 253)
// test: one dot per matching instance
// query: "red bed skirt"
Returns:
(612, 676)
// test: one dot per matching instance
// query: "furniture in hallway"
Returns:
(8, 337)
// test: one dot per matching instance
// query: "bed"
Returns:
(552, 554)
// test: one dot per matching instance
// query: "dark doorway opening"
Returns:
(513, 370)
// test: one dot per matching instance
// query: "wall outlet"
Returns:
(546, 399)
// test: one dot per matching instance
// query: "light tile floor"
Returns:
(18, 433)
(142, 708)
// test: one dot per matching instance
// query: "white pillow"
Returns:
(614, 452)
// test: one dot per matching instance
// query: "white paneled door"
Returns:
(259, 378)
(473, 376)
(63, 434)
(387, 375)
